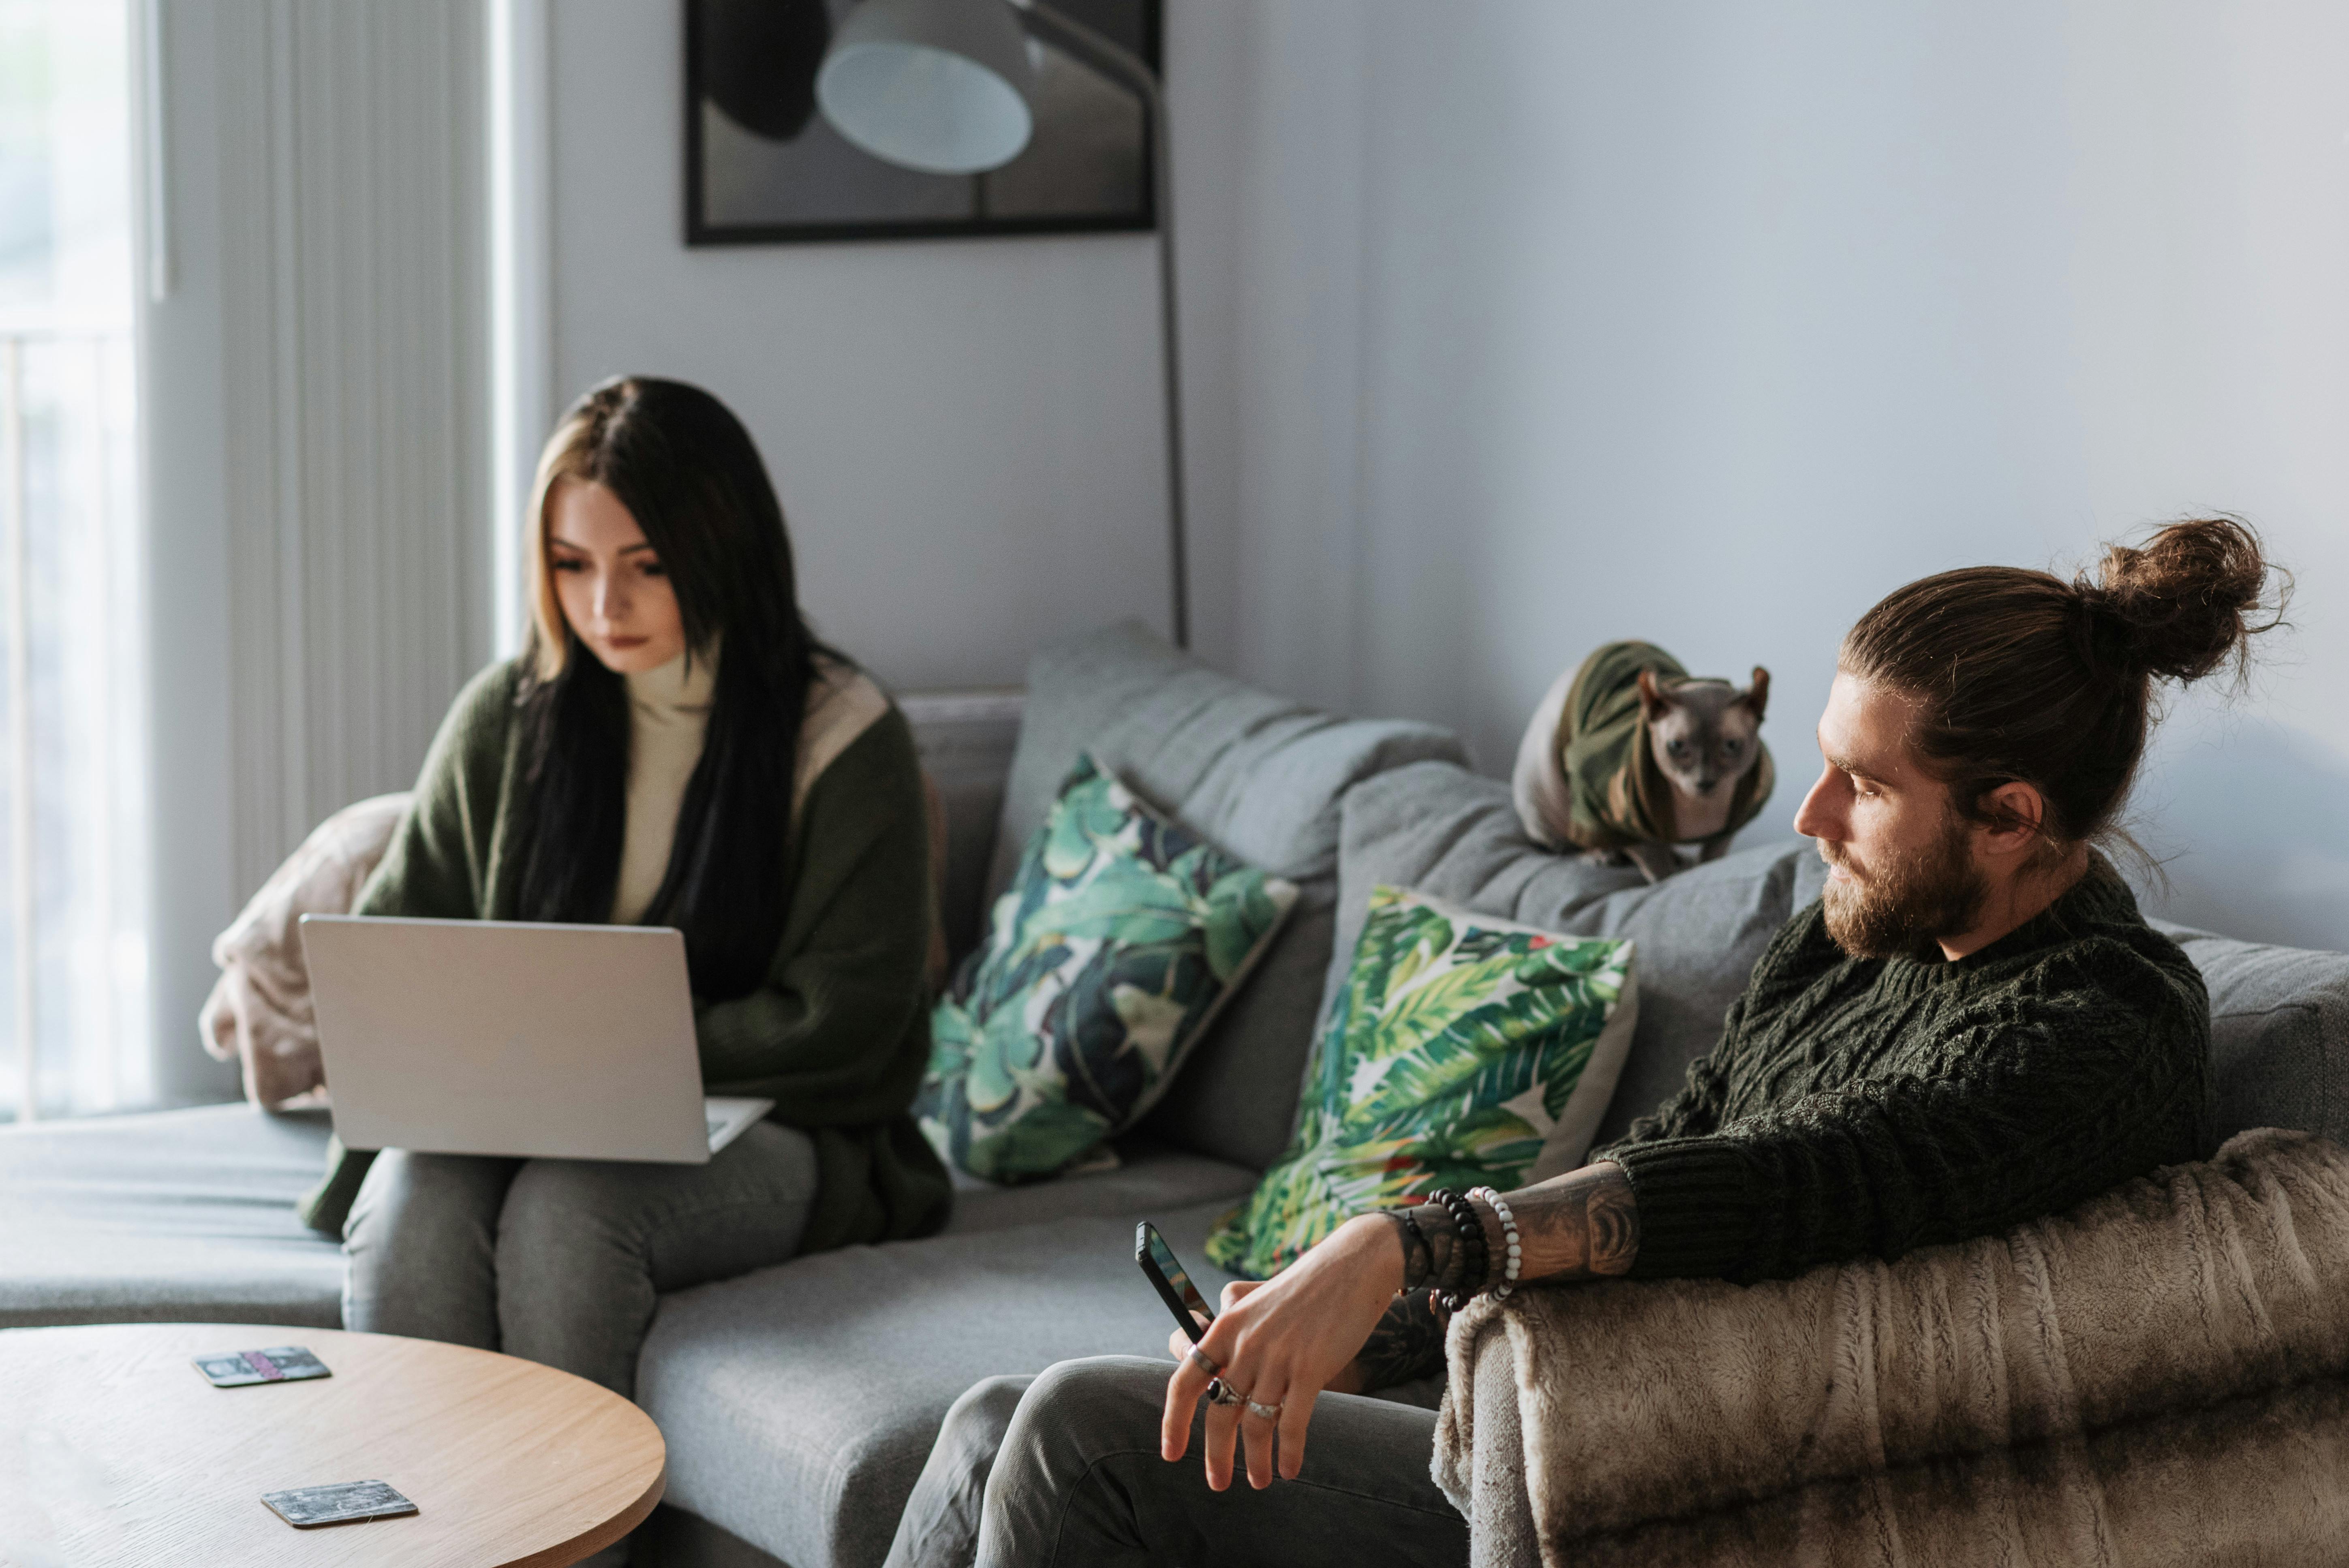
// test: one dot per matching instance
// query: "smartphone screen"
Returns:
(1175, 1287)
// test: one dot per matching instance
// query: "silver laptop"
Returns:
(491, 1037)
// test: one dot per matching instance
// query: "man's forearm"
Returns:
(1581, 1225)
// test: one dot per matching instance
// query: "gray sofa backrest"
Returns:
(965, 739)
(1441, 830)
(1258, 775)
(2279, 1034)
(1342, 805)
(2280, 1015)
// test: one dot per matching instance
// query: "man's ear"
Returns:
(2013, 813)
(1757, 696)
(1652, 701)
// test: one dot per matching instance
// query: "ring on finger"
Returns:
(1262, 1412)
(1222, 1393)
(1203, 1362)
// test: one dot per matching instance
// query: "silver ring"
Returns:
(1203, 1362)
(1263, 1412)
(1222, 1393)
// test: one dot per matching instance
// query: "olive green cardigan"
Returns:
(839, 1033)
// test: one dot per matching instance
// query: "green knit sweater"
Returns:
(838, 1035)
(1863, 1107)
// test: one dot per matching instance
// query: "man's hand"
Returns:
(1281, 1344)
(1330, 1320)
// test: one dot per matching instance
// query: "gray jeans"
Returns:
(1063, 1468)
(561, 1261)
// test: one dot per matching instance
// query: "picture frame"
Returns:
(762, 166)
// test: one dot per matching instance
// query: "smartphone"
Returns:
(1175, 1287)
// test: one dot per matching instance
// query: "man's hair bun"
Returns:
(2187, 602)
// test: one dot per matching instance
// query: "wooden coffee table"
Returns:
(115, 1450)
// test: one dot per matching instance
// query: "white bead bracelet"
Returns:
(1516, 1259)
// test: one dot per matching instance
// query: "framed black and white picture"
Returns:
(763, 167)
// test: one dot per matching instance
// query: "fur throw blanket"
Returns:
(2160, 1376)
(259, 1013)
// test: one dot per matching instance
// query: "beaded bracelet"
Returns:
(1474, 1264)
(1516, 1259)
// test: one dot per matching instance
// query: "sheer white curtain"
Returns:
(73, 958)
(315, 436)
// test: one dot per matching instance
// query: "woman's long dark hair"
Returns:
(690, 476)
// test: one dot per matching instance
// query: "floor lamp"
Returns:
(941, 85)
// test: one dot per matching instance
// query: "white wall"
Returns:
(1561, 322)
(1517, 325)
(965, 434)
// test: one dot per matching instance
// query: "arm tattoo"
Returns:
(1582, 1225)
(1408, 1343)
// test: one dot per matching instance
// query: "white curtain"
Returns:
(317, 430)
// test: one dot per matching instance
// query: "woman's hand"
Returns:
(1281, 1344)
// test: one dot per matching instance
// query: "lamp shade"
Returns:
(940, 86)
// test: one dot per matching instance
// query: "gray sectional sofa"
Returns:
(799, 1402)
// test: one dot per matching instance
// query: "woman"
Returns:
(673, 747)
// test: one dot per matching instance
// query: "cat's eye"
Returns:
(1730, 747)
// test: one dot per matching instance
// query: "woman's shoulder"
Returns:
(484, 712)
(844, 707)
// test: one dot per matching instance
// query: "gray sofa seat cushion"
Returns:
(799, 1402)
(1257, 775)
(1148, 1177)
(2279, 1034)
(1442, 829)
(172, 1216)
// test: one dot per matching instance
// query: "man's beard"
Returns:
(1910, 897)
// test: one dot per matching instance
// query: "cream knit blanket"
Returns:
(2160, 1376)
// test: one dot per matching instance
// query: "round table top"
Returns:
(114, 1449)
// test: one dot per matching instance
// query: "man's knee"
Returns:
(1079, 1412)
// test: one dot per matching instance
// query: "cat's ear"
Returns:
(1757, 696)
(1652, 701)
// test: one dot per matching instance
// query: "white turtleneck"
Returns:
(669, 712)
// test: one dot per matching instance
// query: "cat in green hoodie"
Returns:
(1628, 756)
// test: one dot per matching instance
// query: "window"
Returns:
(73, 1022)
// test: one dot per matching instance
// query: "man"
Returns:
(1974, 1028)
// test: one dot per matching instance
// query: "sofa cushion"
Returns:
(177, 1216)
(2279, 1034)
(1104, 965)
(1438, 828)
(1460, 1042)
(1260, 777)
(799, 1402)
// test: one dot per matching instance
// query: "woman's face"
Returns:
(611, 585)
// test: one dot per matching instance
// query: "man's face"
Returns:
(1901, 865)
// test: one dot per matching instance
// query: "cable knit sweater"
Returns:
(1865, 1106)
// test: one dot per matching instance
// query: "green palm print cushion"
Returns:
(1454, 1046)
(1104, 964)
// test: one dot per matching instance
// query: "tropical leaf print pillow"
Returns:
(1105, 962)
(1455, 1045)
